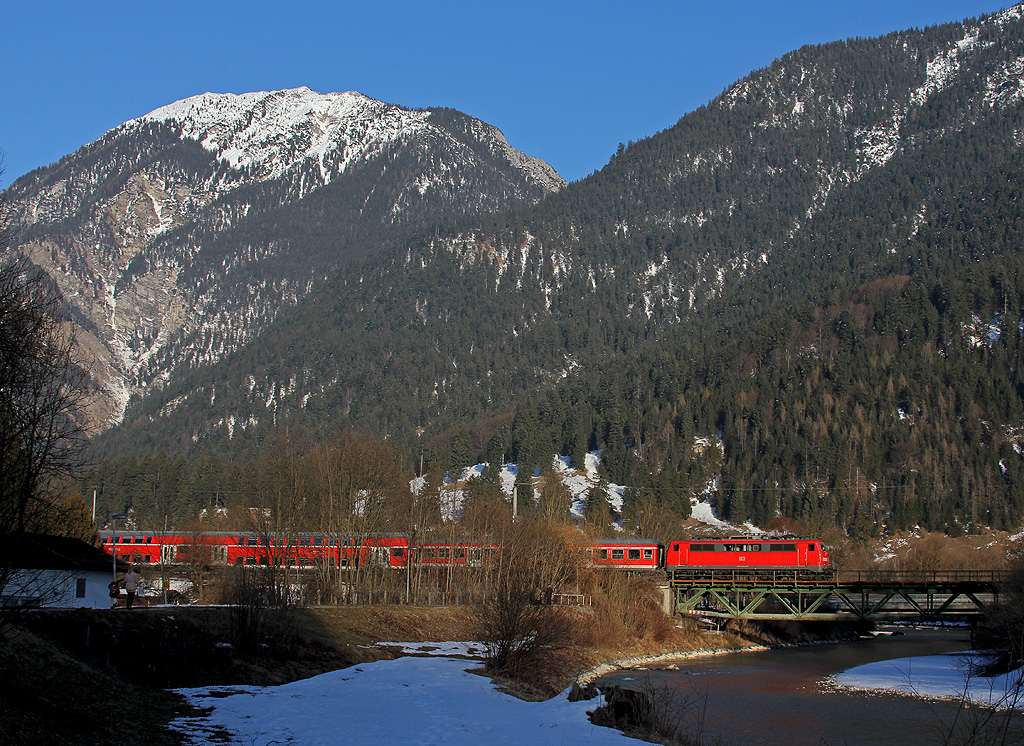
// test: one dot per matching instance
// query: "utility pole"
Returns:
(113, 544)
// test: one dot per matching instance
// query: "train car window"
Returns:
(460, 552)
(634, 554)
(397, 551)
(443, 552)
(648, 554)
(604, 554)
(617, 554)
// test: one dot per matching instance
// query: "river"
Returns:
(785, 696)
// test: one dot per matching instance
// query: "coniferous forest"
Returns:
(805, 299)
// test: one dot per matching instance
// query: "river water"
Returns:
(785, 697)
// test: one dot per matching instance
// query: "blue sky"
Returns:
(565, 81)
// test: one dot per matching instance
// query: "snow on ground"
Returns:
(578, 481)
(409, 700)
(704, 513)
(942, 676)
(468, 649)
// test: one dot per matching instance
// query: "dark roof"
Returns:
(41, 552)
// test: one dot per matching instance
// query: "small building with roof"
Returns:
(37, 570)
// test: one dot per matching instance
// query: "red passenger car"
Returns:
(744, 553)
(293, 550)
(627, 554)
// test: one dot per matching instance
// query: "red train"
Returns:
(297, 550)
(394, 550)
(628, 554)
(747, 553)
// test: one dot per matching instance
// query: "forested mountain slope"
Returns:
(177, 237)
(805, 298)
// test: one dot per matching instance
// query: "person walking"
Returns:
(131, 584)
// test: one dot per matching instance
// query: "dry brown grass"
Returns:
(628, 616)
(930, 552)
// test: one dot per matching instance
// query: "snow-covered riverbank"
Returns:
(947, 676)
(409, 700)
(434, 700)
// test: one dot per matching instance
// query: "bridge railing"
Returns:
(921, 577)
(837, 577)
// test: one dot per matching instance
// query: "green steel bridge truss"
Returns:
(832, 596)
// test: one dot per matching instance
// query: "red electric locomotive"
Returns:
(747, 553)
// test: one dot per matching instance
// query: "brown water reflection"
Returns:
(785, 697)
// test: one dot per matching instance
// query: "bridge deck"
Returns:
(808, 595)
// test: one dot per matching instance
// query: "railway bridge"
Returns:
(956, 595)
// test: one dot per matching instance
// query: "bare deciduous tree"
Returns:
(516, 626)
(43, 391)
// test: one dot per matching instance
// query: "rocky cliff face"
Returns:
(170, 237)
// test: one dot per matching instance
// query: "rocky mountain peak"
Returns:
(269, 133)
(170, 237)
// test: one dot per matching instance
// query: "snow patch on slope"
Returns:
(271, 132)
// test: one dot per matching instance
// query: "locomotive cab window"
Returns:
(810, 547)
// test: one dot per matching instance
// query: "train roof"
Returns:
(752, 539)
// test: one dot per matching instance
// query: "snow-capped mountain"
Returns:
(171, 237)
